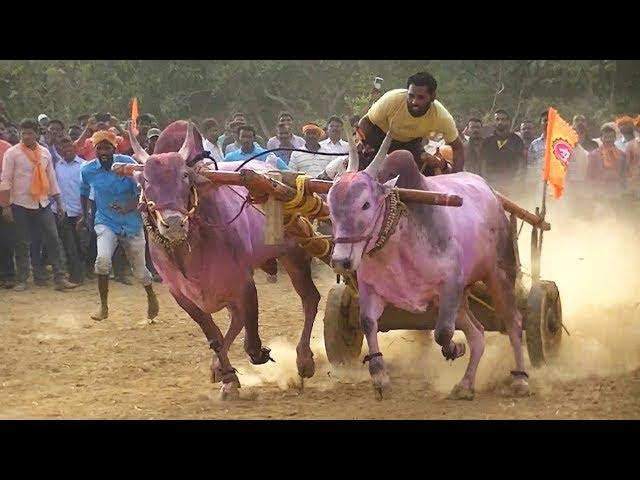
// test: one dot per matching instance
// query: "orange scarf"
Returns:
(39, 181)
(611, 156)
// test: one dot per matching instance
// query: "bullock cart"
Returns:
(538, 301)
(291, 203)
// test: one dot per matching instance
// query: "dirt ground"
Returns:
(55, 362)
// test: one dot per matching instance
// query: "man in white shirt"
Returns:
(274, 142)
(211, 133)
(334, 143)
(311, 163)
(69, 180)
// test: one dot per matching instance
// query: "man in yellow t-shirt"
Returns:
(413, 114)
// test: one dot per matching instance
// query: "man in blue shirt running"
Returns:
(117, 219)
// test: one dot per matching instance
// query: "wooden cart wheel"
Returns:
(342, 340)
(543, 322)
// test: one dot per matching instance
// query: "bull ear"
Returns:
(139, 178)
(339, 172)
(388, 185)
(202, 183)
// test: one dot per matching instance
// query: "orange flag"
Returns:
(134, 114)
(560, 140)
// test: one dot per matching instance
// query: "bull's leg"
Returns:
(449, 305)
(235, 326)
(270, 267)
(246, 309)
(229, 379)
(473, 331)
(299, 268)
(371, 308)
(503, 294)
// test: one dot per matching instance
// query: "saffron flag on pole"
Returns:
(134, 115)
(560, 141)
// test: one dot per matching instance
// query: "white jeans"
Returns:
(133, 248)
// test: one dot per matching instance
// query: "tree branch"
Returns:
(277, 98)
(500, 87)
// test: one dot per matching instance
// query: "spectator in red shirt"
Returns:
(96, 123)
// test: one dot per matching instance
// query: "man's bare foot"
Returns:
(101, 314)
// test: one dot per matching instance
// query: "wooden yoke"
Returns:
(274, 215)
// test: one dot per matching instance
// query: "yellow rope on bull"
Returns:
(308, 242)
(305, 205)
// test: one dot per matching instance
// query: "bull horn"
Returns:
(375, 165)
(139, 154)
(189, 140)
(354, 161)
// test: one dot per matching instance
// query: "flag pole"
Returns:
(543, 211)
(536, 241)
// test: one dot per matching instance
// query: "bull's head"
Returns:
(357, 206)
(168, 187)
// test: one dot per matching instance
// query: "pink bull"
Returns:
(431, 258)
(205, 241)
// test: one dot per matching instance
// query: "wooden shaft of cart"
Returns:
(260, 184)
(529, 217)
(285, 191)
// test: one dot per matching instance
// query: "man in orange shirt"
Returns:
(606, 163)
(632, 166)
(96, 123)
(29, 180)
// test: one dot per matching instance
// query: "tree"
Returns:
(314, 89)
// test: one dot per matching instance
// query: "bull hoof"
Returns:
(520, 388)
(304, 362)
(460, 392)
(229, 391)
(382, 391)
(382, 386)
(458, 350)
(306, 368)
(520, 384)
(262, 358)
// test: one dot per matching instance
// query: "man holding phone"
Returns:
(376, 91)
(410, 115)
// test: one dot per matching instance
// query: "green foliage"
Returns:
(313, 89)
